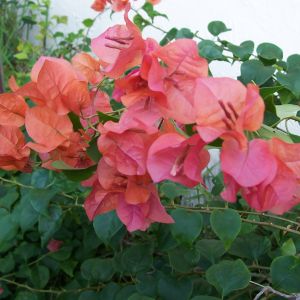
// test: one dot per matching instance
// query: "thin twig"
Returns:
(266, 289)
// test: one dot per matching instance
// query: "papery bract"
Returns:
(126, 150)
(47, 129)
(118, 5)
(266, 180)
(248, 166)
(12, 83)
(119, 48)
(14, 154)
(77, 97)
(99, 5)
(140, 217)
(88, 67)
(182, 58)
(50, 77)
(225, 106)
(73, 155)
(176, 158)
(12, 109)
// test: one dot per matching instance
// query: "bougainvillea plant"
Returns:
(136, 123)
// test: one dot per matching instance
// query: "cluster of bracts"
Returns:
(172, 112)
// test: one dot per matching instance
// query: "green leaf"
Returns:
(80, 174)
(106, 226)
(228, 276)
(104, 117)
(40, 199)
(175, 289)
(8, 228)
(205, 298)
(247, 227)
(189, 258)
(88, 22)
(288, 248)
(269, 51)
(243, 51)
(285, 96)
(29, 20)
(287, 110)
(93, 151)
(291, 81)
(184, 33)
(285, 273)
(211, 249)
(148, 8)
(137, 296)
(97, 269)
(49, 224)
(26, 296)
(267, 132)
(7, 263)
(254, 70)
(109, 292)
(140, 22)
(39, 276)
(89, 295)
(40, 178)
(68, 267)
(217, 27)
(250, 246)
(21, 56)
(187, 226)
(226, 224)
(208, 49)
(137, 258)
(8, 196)
(173, 190)
(293, 62)
(147, 284)
(268, 91)
(125, 292)
(75, 121)
(170, 35)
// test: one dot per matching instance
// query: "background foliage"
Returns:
(213, 251)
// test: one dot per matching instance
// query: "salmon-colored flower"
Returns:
(12, 109)
(134, 198)
(52, 79)
(224, 107)
(99, 5)
(119, 48)
(266, 173)
(176, 158)
(47, 129)
(14, 154)
(125, 150)
(88, 67)
(140, 216)
(73, 155)
(116, 5)
(77, 97)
